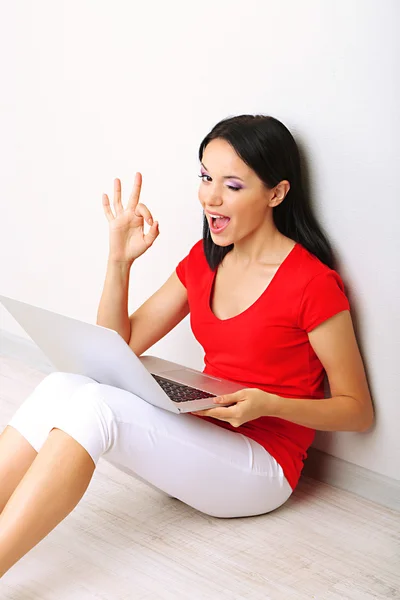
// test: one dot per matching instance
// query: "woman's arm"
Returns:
(350, 407)
(113, 307)
(339, 413)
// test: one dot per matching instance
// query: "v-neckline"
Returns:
(263, 293)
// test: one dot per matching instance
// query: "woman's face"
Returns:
(231, 188)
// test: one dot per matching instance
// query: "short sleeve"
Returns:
(323, 297)
(181, 269)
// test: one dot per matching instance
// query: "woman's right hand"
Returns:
(127, 239)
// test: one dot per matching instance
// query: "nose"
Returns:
(212, 197)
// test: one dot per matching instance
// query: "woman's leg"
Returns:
(216, 471)
(47, 493)
(19, 450)
(16, 456)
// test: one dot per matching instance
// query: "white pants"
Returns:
(217, 471)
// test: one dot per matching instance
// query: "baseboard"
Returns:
(352, 478)
(319, 465)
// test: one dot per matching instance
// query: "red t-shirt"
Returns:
(267, 346)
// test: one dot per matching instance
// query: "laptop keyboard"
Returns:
(179, 392)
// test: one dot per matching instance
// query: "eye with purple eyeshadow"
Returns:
(234, 188)
(203, 174)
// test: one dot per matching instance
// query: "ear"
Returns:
(279, 192)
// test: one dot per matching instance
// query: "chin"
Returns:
(219, 241)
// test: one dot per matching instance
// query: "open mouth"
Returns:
(219, 224)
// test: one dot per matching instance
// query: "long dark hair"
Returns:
(269, 149)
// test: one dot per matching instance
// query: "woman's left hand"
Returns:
(249, 404)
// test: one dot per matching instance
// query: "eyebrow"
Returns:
(225, 176)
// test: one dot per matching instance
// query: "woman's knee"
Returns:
(62, 383)
(69, 402)
(88, 419)
(55, 390)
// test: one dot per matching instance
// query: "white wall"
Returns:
(97, 90)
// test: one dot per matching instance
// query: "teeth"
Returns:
(215, 217)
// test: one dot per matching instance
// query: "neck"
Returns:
(265, 246)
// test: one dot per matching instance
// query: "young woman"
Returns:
(270, 312)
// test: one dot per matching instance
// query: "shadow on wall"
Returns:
(318, 466)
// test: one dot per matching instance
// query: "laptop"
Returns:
(101, 353)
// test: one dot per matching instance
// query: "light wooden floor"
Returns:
(126, 540)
